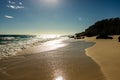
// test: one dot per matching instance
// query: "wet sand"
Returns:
(64, 63)
(107, 54)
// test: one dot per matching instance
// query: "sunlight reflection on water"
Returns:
(51, 45)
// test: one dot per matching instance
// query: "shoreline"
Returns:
(106, 53)
(69, 62)
(13, 49)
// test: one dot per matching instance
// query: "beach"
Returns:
(55, 60)
(106, 53)
(59, 40)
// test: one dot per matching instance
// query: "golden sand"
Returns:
(107, 54)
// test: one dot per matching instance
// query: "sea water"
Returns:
(11, 44)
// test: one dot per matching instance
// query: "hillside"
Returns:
(104, 27)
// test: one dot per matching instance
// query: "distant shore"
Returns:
(107, 54)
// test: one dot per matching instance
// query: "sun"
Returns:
(50, 2)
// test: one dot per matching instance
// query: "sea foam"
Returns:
(11, 45)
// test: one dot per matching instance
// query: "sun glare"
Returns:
(59, 78)
(50, 36)
(50, 2)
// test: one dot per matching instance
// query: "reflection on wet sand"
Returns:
(64, 63)
(59, 78)
(47, 46)
(51, 45)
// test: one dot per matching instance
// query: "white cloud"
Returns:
(15, 7)
(9, 17)
(11, 2)
(11, 6)
(19, 7)
(20, 3)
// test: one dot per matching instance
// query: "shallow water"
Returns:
(68, 62)
(12, 44)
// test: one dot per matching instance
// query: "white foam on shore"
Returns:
(13, 48)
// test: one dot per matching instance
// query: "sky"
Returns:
(54, 16)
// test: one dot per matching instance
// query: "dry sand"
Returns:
(107, 54)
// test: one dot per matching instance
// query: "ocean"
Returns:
(11, 44)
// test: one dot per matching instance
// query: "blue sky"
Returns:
(53, 16)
